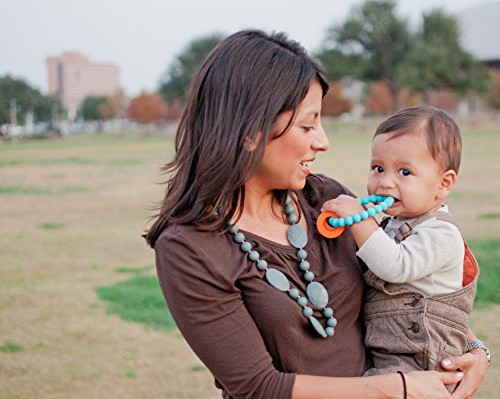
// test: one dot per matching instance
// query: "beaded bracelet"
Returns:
(331, 226)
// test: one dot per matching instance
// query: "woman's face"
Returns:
(288, 158)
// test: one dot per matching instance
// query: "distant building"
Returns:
(72, 78)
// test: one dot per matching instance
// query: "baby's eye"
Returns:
(378, 169)
(404, 172)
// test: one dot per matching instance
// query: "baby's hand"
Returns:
(343, 205)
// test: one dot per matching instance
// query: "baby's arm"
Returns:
(345, 205)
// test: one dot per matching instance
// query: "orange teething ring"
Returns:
(325, 229)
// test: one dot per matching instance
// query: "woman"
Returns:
(248, 279)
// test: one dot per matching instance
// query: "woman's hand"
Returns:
(430, 384)
(343, 205)
(474, 365)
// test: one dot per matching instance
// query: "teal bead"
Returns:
(304, 265)
(239, 238)
(389, 201)
(233, 229)
(328, 312)
(302, 301)
(341, 222)
(365, 200)
(332, 322)
(246, 246)
(294, 293)
(383, 205)
(356, 218)
(253, 256)
(289, 210)
(364, 215)
(262, 264)
(307, 311)
(277, 279)
(292, 219)
(302, 254)
(373, 198)
(360, 200)
(377, 208)
(334, 222)
(348, 220)
(371, 212)
(329, 331)
(288, 201)
(380, 198)
(309, 276)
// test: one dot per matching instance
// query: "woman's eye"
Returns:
(308, 128)
(378, 169)
(404, 172)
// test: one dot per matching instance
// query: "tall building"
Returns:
(72, 78)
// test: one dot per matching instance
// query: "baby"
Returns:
(421, 275)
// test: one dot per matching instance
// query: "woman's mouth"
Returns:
(305, 167)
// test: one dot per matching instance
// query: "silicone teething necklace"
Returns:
(331, 226)
(316, 292)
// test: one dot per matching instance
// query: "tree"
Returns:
(370, 44)
(18, 93)
(89, 109)
(178, 78)
(146, 108)
(437, 60)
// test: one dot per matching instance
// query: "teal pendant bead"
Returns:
(277, 279)
(331, 322)
(262, 264)
(317, 294)
(253, 256)
(293, 293)
(292, 219)
(297, 236)
(246, 246)
(309, 276)
(329, 331)
(302, 301)
(301, 254)
(233, 229)
(239, 238)
(317, 326)
(328, 312)
(307, 311)
(304, 265)
(289, 210)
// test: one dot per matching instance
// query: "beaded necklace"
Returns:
(316, 292)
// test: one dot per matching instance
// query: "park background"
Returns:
(81, 312)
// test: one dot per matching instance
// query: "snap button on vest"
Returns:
(414, 327)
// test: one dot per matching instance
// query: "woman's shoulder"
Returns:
(325, 187)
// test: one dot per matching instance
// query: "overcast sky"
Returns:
(143, 37)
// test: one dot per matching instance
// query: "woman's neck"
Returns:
(263, 215)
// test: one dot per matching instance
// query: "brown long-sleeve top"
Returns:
(252, 337)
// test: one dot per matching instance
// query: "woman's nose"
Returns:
(321, 142)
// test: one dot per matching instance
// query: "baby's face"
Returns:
(403, 168)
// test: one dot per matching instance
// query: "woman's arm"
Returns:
(419, 384)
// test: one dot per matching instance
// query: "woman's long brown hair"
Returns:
(239, 90)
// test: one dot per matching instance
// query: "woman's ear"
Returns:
(448, 180)
(251, 144)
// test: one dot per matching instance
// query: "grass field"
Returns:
(71, 216)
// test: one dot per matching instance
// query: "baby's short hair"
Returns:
(441, 131)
